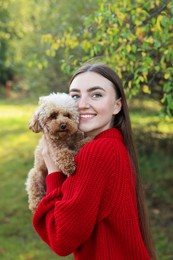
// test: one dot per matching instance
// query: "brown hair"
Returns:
(122, 122)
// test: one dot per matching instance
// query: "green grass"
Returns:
(18, 240)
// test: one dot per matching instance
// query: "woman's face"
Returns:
(97, 102)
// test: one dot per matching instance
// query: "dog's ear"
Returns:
(34, 123)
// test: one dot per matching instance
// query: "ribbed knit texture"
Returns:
(93, 213)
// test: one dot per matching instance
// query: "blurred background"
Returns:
(41, 44)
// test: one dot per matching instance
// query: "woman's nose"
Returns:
(83, 103)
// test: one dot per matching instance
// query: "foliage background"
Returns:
(134, 37)
(41, 44)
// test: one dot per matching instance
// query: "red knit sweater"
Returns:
(93, 213)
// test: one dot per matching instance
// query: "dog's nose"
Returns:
(63, 126)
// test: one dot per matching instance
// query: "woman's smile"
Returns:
(86, 116)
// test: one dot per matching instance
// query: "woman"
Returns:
(98, 213)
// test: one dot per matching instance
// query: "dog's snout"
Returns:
(63, 126)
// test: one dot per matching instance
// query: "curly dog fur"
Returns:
(58, 116)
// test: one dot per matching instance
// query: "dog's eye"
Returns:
(53, 116)
(67, 115)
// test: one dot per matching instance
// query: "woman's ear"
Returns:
(117, 107)
(34, 124)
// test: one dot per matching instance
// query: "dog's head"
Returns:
(57, 115)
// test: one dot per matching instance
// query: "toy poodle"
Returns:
(58, 117)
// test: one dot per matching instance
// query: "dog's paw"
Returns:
(65, 161)
(68, 168)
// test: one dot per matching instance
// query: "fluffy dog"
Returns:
(58, 117)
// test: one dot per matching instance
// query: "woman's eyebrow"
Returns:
(95, 88)
(74, 90)
(88, 90)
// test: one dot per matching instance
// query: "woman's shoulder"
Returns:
(106, 144)
(96, 158)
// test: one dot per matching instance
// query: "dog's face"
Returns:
(59, 122)
(57, 115)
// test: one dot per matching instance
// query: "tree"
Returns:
(27, 52)
(6, 71)
(134, 37)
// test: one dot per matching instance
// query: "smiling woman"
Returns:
(97, 102)
(99, 212)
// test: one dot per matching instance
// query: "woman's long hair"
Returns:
(122, 122)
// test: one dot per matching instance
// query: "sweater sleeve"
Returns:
(66, 216)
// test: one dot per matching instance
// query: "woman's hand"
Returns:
(51, 167)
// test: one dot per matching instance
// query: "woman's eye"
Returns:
(75, 96)
(97, 95)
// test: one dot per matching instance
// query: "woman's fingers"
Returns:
(45, 151)
(51, 167)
